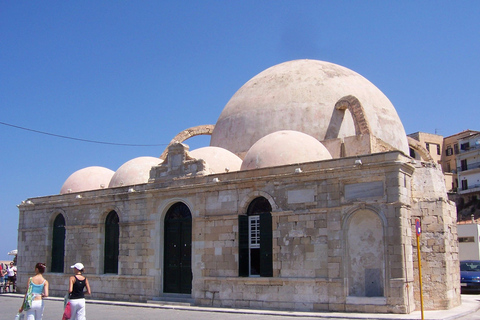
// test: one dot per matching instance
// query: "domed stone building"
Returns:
(306, 199)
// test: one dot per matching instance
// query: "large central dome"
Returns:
(301, 95)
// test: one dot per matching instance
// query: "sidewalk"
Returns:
(470, 304)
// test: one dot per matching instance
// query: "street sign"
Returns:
(418, 227)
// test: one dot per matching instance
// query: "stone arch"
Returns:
(167, 203)
(245, 202)
(106, 212)
(53, 215)
(358, 113)
(422, 151)
(365, 255)
(206, 129)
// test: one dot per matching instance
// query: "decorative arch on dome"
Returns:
(206, 129)
(422, 151)
(352, 104)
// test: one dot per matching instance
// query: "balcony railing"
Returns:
(470, 148)
(470, 187)
(469, 166)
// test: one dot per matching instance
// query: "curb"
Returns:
(469, 305)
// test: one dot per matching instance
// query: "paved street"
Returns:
(54, 310)
(104, 310)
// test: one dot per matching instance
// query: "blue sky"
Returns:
(139, 72)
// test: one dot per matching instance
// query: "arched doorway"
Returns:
(58, 244)
(178, 250)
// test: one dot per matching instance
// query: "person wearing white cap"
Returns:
(76, 290)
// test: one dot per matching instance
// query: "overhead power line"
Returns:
(84, 140)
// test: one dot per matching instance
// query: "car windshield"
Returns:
(470, 266)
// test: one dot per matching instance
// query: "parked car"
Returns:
(470, 275)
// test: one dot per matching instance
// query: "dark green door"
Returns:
(178, 250)
(58, 244)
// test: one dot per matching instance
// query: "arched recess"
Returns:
(58, 244)
(365, 254)
(353, 105)
(177, 253)
(206, 129)
(112, 242)
(255, 240)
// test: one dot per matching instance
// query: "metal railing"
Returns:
(469, 187)
(469, 166)
(470, 148)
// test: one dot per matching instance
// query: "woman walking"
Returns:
(37, 290)
(12, 277)
(76, 290)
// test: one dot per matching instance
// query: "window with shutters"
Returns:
(255, 240)
(58, 244)
(112, 235)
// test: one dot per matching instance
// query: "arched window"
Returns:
(58, 244)
(112, 234)
(255, 240)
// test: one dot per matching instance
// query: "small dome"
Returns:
(218, 159)
(135, 171)
(282, 148)
(90, 178)
(301, 95)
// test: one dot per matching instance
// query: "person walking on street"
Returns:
(76, 290)
(12, 277)
(37, 290)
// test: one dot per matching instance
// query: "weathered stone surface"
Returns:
(337, 229)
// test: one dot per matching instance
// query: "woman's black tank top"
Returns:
(77, 291)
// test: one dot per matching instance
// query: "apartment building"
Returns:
(451, 145)
(445, 152)
(468, 165)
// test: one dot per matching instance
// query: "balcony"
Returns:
(468, 166)
(474, 188)
(465, 149)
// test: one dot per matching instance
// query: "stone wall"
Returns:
(438, 241)
(321, 217)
